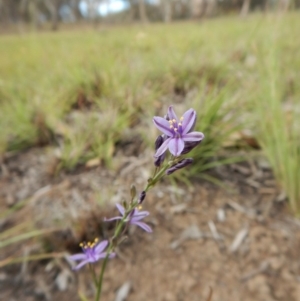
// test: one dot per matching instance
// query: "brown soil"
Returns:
(243, 243)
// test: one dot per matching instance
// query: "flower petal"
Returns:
(193, 136)
(112, 255)
(163, 125)
(81, 264)
(144, 226)
(188, 122)
(162, 149)
(176, 146)
(101, 246)
(112, 219)
(79, 256)
(141, 213)
(171, 113)
(101, 255)
(121, 209)
(138, 217)
(189, 145)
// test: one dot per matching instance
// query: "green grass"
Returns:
(18, 227)
(276, 106)
(120, 77)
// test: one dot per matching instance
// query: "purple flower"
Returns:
(133, 217)
(178, 131)
(92, 252)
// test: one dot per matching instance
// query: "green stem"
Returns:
(93, 274)
(110, 247)
(99, 287)
(158, 176)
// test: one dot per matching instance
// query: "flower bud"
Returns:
(181, 164)
(158, 142)
(142, 197)
(159, 160)
(133, 191)
(189, 146)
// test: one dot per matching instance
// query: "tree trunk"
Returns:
(245, 8)
(9, 12)
(210, 8)
(74, 5)
(283, 6)
(266, 6)
(142, 11)
(132, 11)
(4, 13)
(53, 10)
(34, 14)
(167, 11)
(198, 8)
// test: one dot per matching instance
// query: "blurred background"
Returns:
(40, 12)
(80, 82)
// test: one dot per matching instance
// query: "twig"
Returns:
(239, 238)
(261, 269)
(217, 237)
(249, 212)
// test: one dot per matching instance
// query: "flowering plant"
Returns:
(179, 137)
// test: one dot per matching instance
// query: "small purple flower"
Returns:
(92, 252)
(178, 131)
(133, 217)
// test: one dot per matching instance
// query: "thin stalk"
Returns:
(99, 289)
(93, 274)
(116, 234)
(157, 176)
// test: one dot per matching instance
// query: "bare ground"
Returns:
(242, 243)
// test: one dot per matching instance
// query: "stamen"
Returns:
(181, 118)
(175, 129)
(139, 207)
(179, 124)
(89, 245)
(174, 120)
(171, 126)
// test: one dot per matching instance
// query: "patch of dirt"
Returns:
(242, 243)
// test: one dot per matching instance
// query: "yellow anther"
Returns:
(96, 240)
(170, 121)
(139, 207)
(81, 245)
